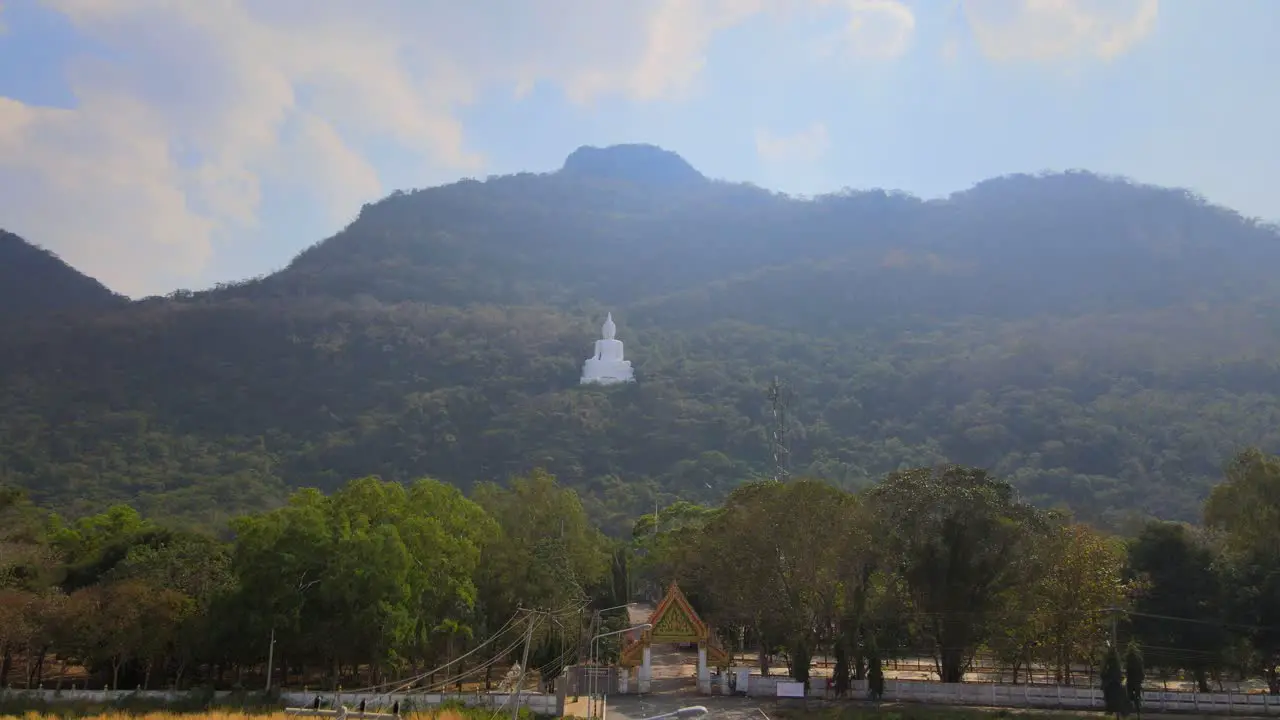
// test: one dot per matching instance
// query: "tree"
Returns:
(875, 675)
(16, 624)
(1246, 504)
(1082, 586)
(842, 676)
(1134, 676)
(787, 581)
(122, 629)
(1179, 601)
(1245, 508)
(26, 558)
(800, 659)
(198, 570)
(668, 551)
(388, 569)
(1114, 696)
(958, 539)
(546, 553)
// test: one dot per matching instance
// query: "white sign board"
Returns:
(791, 690)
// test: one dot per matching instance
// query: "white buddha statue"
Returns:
(607, 367)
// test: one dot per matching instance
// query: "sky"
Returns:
(158, 144)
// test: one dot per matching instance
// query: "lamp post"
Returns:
(595, 657)
(596, 616)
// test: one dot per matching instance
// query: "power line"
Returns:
(469, 673)
(534, 618)
(524, 668)
(1202, 621)
(492, 638)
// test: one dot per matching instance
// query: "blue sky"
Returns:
(158, 144)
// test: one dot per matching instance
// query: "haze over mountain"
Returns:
(280, 146)
(1106, 345)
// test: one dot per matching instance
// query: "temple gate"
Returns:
(674, 621)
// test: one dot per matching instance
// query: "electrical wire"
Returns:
(510, 622)
(453, 680)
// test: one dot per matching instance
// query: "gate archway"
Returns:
(674, 621)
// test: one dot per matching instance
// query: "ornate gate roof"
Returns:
(674, 621)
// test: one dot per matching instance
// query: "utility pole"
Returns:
(271, 656)
(780, 402)
(1115, 639)
(591, 654)
(524, 667)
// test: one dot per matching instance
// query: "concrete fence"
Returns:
(538, 703)
(1034, 696)
(982, 694)
(1072, 698)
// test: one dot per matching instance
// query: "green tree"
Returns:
(547, 553)
(1115, 698)
(198, 569)
(875, 675)
(1179, 604)
(842, 675)
(1245, 508)
(800, 659)
(1082, 586)
(958, 539)
(788, 581)
(1135, 675)
(27, 560)
(389, 569)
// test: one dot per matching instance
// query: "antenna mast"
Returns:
(780, 401)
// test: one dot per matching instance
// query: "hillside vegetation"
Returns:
(1104, 345)
(35, 281)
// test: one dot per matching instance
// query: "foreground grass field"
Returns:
(847, 713)
(924, 712)
(224, 715)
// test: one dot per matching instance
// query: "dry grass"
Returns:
(216, 715)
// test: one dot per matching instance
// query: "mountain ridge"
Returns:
(1106, 345)
(34, 280)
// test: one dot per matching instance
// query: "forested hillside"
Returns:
(1104, 345)
(34, 280)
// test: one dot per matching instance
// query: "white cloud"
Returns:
(193, 108)
(1050, 29)
(867, 30)
(879, 28)
(805, 146)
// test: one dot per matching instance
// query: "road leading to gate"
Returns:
(622, 707)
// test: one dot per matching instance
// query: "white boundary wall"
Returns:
(1066, 697)
(983, 694)
(1034, 696)
(540, 703)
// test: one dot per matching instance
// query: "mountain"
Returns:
(34, 280)
(1106, 345)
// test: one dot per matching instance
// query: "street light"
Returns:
(683, 713)
(594, 657)
(595, 623)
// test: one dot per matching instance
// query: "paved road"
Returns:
(631, 707)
